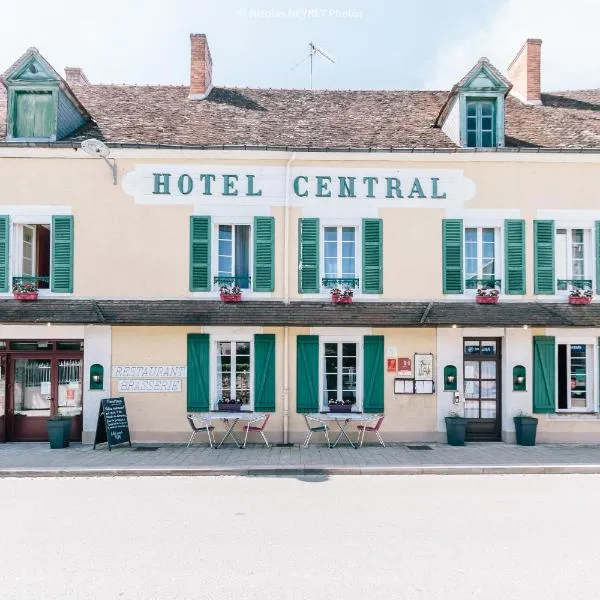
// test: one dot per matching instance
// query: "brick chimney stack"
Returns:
(200, 68)
(75, 75)
(524, 72)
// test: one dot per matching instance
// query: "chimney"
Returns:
(75, 75)
(200, 68)
(524, 72)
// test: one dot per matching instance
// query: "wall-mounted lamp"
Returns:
(96, 377)
(450, 378)
(519, 378)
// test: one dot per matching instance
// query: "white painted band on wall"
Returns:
(155, 371)
(149, 385)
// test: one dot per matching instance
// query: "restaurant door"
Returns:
(40, 379)
(482, 389)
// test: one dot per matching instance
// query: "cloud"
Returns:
(570, 48)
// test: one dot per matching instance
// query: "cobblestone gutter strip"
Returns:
(300, 471)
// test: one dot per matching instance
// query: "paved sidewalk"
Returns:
(33, 459)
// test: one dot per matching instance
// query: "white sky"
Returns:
(378, 44)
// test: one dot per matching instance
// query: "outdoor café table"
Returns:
(230, 419)
(342, 419)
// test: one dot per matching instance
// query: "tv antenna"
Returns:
(99, 149)
(313, 50)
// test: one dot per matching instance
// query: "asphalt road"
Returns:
(420, 537)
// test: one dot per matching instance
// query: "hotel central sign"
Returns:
(274, 186)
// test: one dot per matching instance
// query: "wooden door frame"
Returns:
(499, 379)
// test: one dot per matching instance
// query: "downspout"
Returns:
(286, 300)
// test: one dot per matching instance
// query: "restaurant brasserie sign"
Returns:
(189, 184)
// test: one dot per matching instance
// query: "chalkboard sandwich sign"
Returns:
(112, 426)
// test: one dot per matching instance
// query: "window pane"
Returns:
(69, 386)
(225, 263)
(471, 347)
(471, 369)
(488, 389)
(330, 234)
(488, 369)
(488, 250)
(471, 109)
(242, 255)
(486, 140)
(330, 382)
(471, 389)
(561, 255)
(348, 234)
(488, 348)
(471, 410)
(32, 389)
(486, 109)
(578, 375)
(486, 124)
(471, 254)
(471, 139)
(577, 253)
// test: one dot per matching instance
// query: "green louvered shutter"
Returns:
(372, 257)
(4, 251)
(198, 369)
(264, 254)
(62, 254)
(374, 373)
(597, 257)
(452, 256)
(308, 256)
(514, 256)
(543, 240)
(200, 254)
(307, 373)
(264, 368)
(544, 374)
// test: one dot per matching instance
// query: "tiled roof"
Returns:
(253, 313)
(157, 115)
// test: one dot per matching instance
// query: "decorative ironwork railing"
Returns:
(40, 281)
(486, 284)
(563, 285)
(331, 282)
(242, 282)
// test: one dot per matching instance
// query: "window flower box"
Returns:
(25, 296)
(340, 408)
(229, 406)
(487, 296)
(230, 294)
(580, 297)
(339, 296)
(25, 291)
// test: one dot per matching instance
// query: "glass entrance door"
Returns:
(482, 385)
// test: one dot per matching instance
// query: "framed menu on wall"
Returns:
(423, 367)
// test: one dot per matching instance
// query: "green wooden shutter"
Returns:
(200, 228)
(308, 256)
(597, 257)
(4, 251)
(264, 377)
(373, 374)
(514, 256)
(544, 374)
(452, 256)
(34, 116)
(372, 256)
(62, 254)
(543, 240)
(198, 370)
(307, 373)
(264, 254)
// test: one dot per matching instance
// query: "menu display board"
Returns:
(112, 426)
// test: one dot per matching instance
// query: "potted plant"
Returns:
(25, 291)
(487, 296)
(231, 294)
(525, 429)
(344, 296)
(580, 297)
(229, 405)
(340, 406)
(59, 430)
(456, 429)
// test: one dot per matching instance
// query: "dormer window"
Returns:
(480, 123)
(33, 115)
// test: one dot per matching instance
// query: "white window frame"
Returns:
(591, 374)
(339, 224)
(16, 248)
(215, 248)
(588, 254)
(214, 341)
(498, 254)
(342, 339)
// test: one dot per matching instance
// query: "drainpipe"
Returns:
(286, 300)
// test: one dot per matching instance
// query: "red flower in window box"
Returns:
(231, 294)
(25, 291)
(342, 296)
(487, 296)
(580, 297)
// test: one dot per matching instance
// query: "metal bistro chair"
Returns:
(257, 428)
(362, 429)
(321, 428)
(205, 427)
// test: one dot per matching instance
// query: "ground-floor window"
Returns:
(234, 372)
(575, 377)
(340, 364)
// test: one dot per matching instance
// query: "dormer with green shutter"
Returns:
(473, 114)
(41, 107)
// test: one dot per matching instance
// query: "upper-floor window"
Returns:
(482, 268)
(339, 256)
(33, 115)
(575, 370)
(234, 255)
(31, 254)
(573, 259)
(481, 124)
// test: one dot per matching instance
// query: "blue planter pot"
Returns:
(456, 429)
(59, 433)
